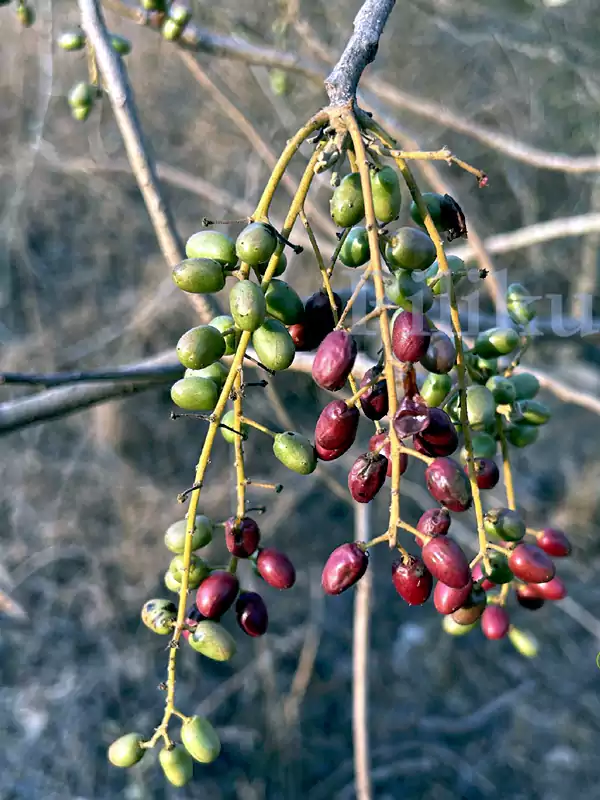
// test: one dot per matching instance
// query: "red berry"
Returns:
(477, 573)
(528, 597)
(374, 443)
(375, 401)
(448, 484)
(275, 568)
(367, 476)
(447, 600)
(487, 473)
(434, 522)
(412, 580)
(344, 567)
(554, 542)
(300, 336)
(531, 564)
(412, 416)
(554, 589)
(337, 425)
(329, 455)
(495, 622)
(334, 360)
(446, 561)
(410, 336)
(435, 450)
(216, 593)
(241, 536)
(251, 613)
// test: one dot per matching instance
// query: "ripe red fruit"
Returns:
(275, 568)
(375, 401)
(446, 599)
(487, 473)
(554, 542)
(300, 336)
(528, 597)
(446, 561)
(334, 360)
(367, 476)
(412, 580)
(434, 522)
(344, 567)
(435, 450)
(337, 425)
(477, 573)
(318, 318)
(241, 536)
(329, 455)
(410, 336)
(217, 593)
(448, 484)
(472, 608)
(495, 622)
(412, 416)
(554, 589)
(531, 564)
(251, 613)
(374, 443)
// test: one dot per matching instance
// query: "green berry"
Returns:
(409, 248)
(504, 524)
(404, 291)
(180, 14)
(225, 323)
(247, 305)
(347, 204)
(81, 113)
(199, 276)
(283, 303)
(454, 628)
(387, 198)
(439, 283)
(279, 82)
(229, 420)
(526, 385)
(126, 750)
(195, 394)
(484, 446)
(519, 304)
(523, 642)
(496, 342)
(295, 452)
(481, 407)
(25, 15)
(170, 30)
(279, 269)
(201, 535)
(273, 344)
(480, 369)
(502, 389)
(201, 346)
(435, 389)
(216, 372)
(256, 243)
(355, 250)
(213, 641)
(214, 245)
(71, 40)
(153, 5)
(533, 412)
(522, 435)
(197, 573)
(177, 765)
(159, 615)
(200, 739)
(499, 571)
(434, 203)
(171, 582)
(81, 95)
(120, 44)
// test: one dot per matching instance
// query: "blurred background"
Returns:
(512, 87)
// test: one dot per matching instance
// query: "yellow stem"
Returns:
(336, 252)
(506, 468)
(258, 426)
(415, 454)
(352, 401)
(238, 446)
(422, 536)
(373, 314)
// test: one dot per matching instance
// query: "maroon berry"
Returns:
(435, 450)
(472, 608)
(374, 402)
(334, 360)
(318, 318)
(374, 444)
(241, 536)
(487, 473)
(412, 580)
(251, 613)
(217, 593)
(337, 425)
(477, 573)
(554, 589)
(448, 484)
(447, 600)
(446, 561)
(329, 455)
(434, 522)
(275, 568)
(440, 428)
(554, 542)
(300, 336)
(531, 564)
(412, 416)
(410, 336)
(495, 622)
(344, 567)
(367, 476)
(528, 597)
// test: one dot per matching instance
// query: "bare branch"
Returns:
(138, 372)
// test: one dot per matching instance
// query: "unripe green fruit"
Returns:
(355, 250)
(273, 344)
(279, 269)
(180, 14)
(171, 582)
(153, 5)
(248, 306)
(201, 535)
(387, 198)
(170, 30)
(484, 446)
(534, 412)
(212, 640)
(256, 243)
(439, 283)
(499, 572)
(81, 113)
(197, 573)
(347, 204)
(519, 304)
(504, 524)
(199, 276)
(526, 385)
(223, 323)
(434, 202)
(283, 303)
(522, 435)
(409, 248)
(159, 615)
(25, 15)
(480, 369)
(120, 44)
(201, 346)
(435, 389)
(126, 750)
(200, 739)
(279, 82)
(216, 372)
(295, 452)
(229, 420)
(212, 244)
(502, 389)
(177, 765)
(481, 407)
(404, 291)
(195, 394)
(523, 642)
(81, 95)
(496, 342)
(71, 40)
(454, 629)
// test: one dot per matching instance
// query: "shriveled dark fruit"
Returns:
(412, 416)
(409, 248)
(347, 204)
(435, 450)
(274, 346)
(553, 589)
(256, 243)
(345, 566)
(374, 444)
(355, 250)
(495, 622)
(200, 739)
(496, 342)
(435, 389)
(502, 390)
(519, 304)
(217, 593)
(446, 599)
(200, 346)
(223, 323)
(201, 534)
(412, 580)
(195, 394)
(446, 561)
(531, 564)
(405, 291)
(499, 571)
(484, 446)
(526, 385)
(247, 305)
(159, 615)
(198, 570)
(241, 536)
(300, 336)
(504, 524)
(214, 245)
(448, 484)
(375, 402)
(478, 576)
(434, 522)
(440, 429)
(473, 607)
(126, 750)
(528, 597)
(275, 568)
(367, 476)
(533, 412)
(440, 357)
(81, 94)
(192, 617)
(295, 452)
(177, 765)
(323, 454)
(410, 336)
(387, 198)
(216, 372)
(337, 426)
(487, 473)
(251, 614)
(334, 360)
(279, 269)
(554, 542)
(212, 641)
(318, 317)
(283, 303)
(522, 435)
(199, 275)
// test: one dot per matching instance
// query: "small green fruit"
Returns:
(484, 446)
(439, 283)
(180, 14)
(435, 389)
(273, 344)
(177, 764)
(195, 394)
(213, 641)
(502, 389)
(523, 642)
(229, 420)
(480, 369)
(81, 113)
(216, 372)
(347, 204)
(526, 385)
(496, 342)
(159, 615)
(225, 323)
(355, 250)
(200, 739)
(199, 276)
(409, 248)
(126, 750)
(197, 573)
(434, 203)
(214, 245)
(499, 572)
(404, 291)
(504, 524)
(71, 40)
(295, 452)
(519, 304)
(81, 95)
(201, 346)
(481, 407)
(170, 30)
(248, 306)
(25, 15)
(256, 243)
(201, 535)
(283, 303)
(522, 435)
(153, 5)
(533, 412)
(171, 582)
(387, 198)
(454, 629)
(120, 44)
(279, 82)
(279, 269)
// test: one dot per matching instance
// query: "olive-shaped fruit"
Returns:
(404, 291)
(500, 571)
(318, 317)
(378, 443)
(522, 435)
(228, 420)
(82, 94)
(337, 426)
(446, 561)
(481, 407)
(126, 750)
(434, 203)
(273, 344)
(200, 739)
(435, 389)
(496, 342)
(281, 267)
(554, 542)
(355, 250)
(345, 566)
(81, 113)
(275, 568)
(71, 40)
(171, 582)
(279, 82)
(523, 642)
(484, 446)
(216, 372)
(502, 389)
(375, 402)
(120, 44)
(412, 580)
(453, 628)
(201, 534)
(25, 15)
(367, 476)
(159, 615)
(217, 593)
(177, 765)
(526, 385)
(495, 622)
(411, 335)
(195, 394)
(224, 323)
(447, 599)
(441, 354)
(251, 614)
(434, 522)
(171, 30)
(409, 248)
(199, 275)
(212, 640)
(247, 305)
(438, 282)
(201, 346)
(519, 304)
(334, 360)
(295, 452)
(256, 243)
(387, 198)
(504, 524)
(448, 484)
(198, 570)
(473, 607)
(347, 203)
(480, 369)
(180, 13)
(533, 412)
(241, 536)
(531, 564)
(283, 303)
(213, 245)
(487, 473)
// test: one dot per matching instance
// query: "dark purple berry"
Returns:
(241, 536)
(334, 360)
(448, 484)
(251, 613)
(275, 568)
(487, 473)
(374, 403)
(374, 444)
(410, 336)
(337, 425)
(367, 476)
